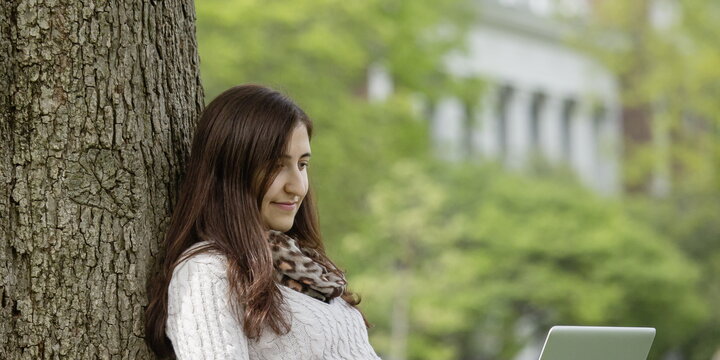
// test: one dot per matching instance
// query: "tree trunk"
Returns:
(98, 101)
(402, 296)
(400, 318)
(637, 112)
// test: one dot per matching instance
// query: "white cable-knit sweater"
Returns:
(201, 325)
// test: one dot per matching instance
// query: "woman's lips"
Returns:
(285, 206)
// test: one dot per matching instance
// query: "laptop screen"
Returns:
(597, 343)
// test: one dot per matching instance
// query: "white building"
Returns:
(543, 99)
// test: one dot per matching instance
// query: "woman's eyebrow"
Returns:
(286, 156)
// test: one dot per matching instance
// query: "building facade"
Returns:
(544, 100)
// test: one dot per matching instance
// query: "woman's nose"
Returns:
(295, 184)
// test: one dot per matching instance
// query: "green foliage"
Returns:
(673, 72)
(319, 51)
(691, 220)
(479, 251)
(487, 249)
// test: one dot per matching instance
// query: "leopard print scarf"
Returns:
(298, 269)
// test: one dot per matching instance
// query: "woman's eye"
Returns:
(304, 165)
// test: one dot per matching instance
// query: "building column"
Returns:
(607, 153)
(484, 133)
(518, 128)
(614, 147)
(661, 181)
(582, 154)
(448, 128)
(551, 128)
(379, 83)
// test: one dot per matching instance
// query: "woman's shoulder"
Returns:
(198, 282)
(205, 263)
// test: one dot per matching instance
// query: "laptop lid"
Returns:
(597, 343)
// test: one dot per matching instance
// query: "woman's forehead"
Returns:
(299, 145)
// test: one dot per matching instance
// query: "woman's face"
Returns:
(282, 200)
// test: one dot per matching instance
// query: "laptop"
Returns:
(597, 343)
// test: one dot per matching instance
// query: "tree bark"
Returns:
(636, 113)
(98, 101)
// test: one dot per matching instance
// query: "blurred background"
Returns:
(486, 169)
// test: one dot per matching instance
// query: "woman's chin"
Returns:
(281, 226)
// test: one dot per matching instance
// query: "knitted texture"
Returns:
(201, 325)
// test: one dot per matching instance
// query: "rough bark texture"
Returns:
(98, 100)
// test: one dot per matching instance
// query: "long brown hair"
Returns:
(239, 139)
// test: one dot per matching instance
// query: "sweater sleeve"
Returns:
(200, 323)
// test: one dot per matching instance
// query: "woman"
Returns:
(245, 274)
